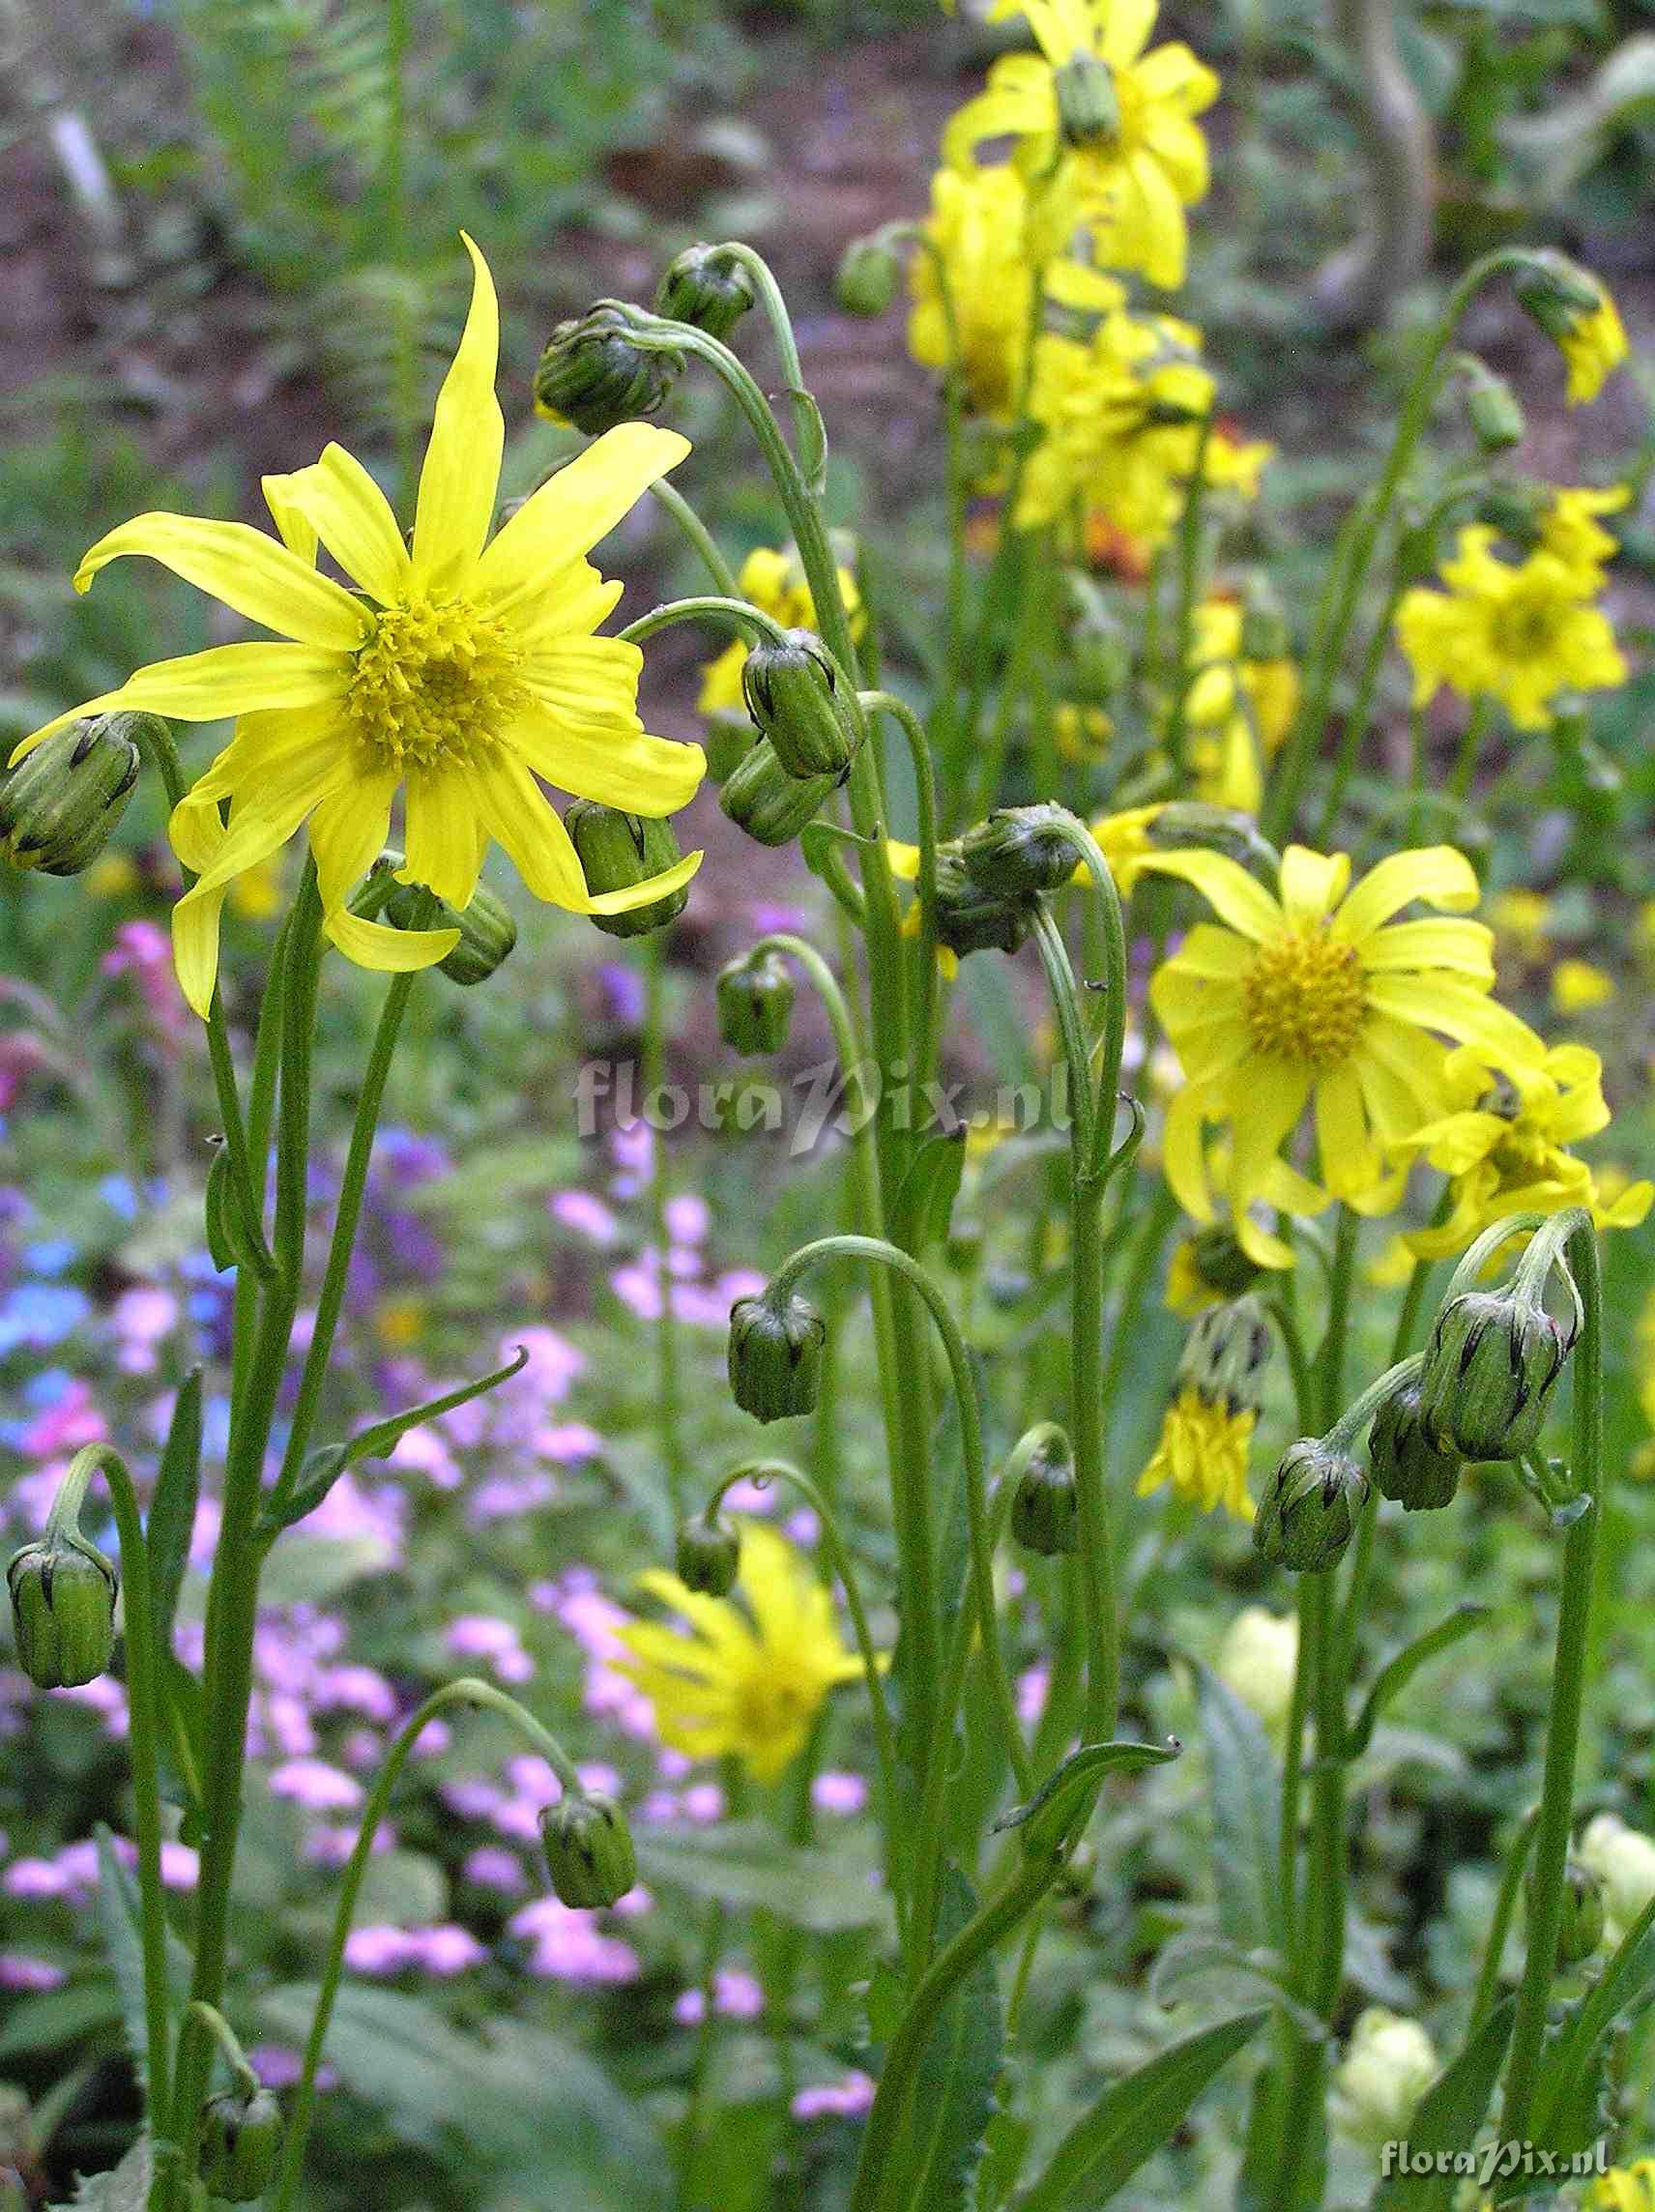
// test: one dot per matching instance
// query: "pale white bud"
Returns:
(1258, 1660)
(1388, 2066)
(1623, 1859)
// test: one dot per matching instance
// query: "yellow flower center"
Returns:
(772, 1708)
(1526, 627)
(436, 678)
(1304, 998)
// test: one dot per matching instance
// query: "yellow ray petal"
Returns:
(388, 952)
(1312, 883)
(461, 475)
(1456, 1010)
(347, 833)
(1232, 894)
(1436, 873)
(195, 947)
(588, 680)
(243, 567)
(1467, 947)
(445, 850)
(342, 507)
(618, 768)
(574, 509)
(211, 686)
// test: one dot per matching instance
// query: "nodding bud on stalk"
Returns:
(617, 851)
(60, 805)
(709, 1554)
(1221, 1263)
(795, 698)
(1580, 1928)
(708, 286)
(595, 376)
(867, 276)
(1556, 293)
(760, 798)
(488, 933)
(589, 1851)
(1045, 1505)
(1309, 1509)
(1088, 107)
(1226, 1353)
(754, 998)
(1021, 850)
(971, 919)
(1407, 1465)
(1488, 1371)
(62, 1610)
(241, 2143)
(775, 1357)
(1492, 409)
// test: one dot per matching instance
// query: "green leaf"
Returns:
(59, 2017)
(811, 435)
(1449, 2114)
(745, 1867)
(1625, 1986)
(121, 1916)
(1064, 1798)
(1246, 1815)
(172, 1508)
(1211, 1970)
(925, 1200)
(1399, 1671)
(1135, 2116)
(124, 2187)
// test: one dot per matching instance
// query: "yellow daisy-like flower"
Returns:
(774, 582)
(1519, 631)
(1202, 1451)
(1626, 2188)
(1316, 997)
(1126, 149)
(1504, 1143)
(978, 233)
(746, 1681)
(1570, 528)
(1238, 711)
(1577, 986)
(1123, 840)
(1593, 346)
(462, 669)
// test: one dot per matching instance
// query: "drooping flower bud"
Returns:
(1045, 1506)
(1020, 851)
(1489, 1372)
(1221, 1263)
(1577, 315)
(1407, 1466)
(589, 1851)
(708, 286)
(1310, 1508)
(488, 932)
(1089, 105)
(760, 798)
(709, 1554)
(755, 1004)
(971, 919)
(795, 700)
(1580, 1927)
(775, 1357)
(62, 1610)
(1493, 409)
(1225, 1355)
(617, 851)
(60, 805)
(867, 276)
(241, 2143)
(595, 376)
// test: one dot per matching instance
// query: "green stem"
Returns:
(1471, 744)
(223, 2035)
(704, 606)
(668, 1395)
(1189, 573)
(1500, 1926)
(925, 805)
(667, 497)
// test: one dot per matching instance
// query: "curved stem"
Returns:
(806, 422)
(224, 2036)
(704, 606)
(466, 1691)
(667, 497)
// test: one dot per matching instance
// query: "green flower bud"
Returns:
(775, 1357)
(1185, 822)
(487, 930)
(795, 699)
(60, 805)
(595, 376)
(1493, 409)
(755, 1004)
(1045, 1505)
(589, 1851)
(1088, 107)
(1309, 1509)
(762, 799)
(1021, 850)
(971, 919)
(867, 276)
(1265, 634)
(708, 286)
(1406, 1465)
(1221, 1263)
(1556, 294)
(1517, 510)
(62, 1610)
(728, 738)
(1581, 1929)
(1488, 1371)
(240, 2144)
(617, 851)
(1226, 1353)
(708, 1554)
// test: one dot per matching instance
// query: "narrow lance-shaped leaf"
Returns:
(1065, 1796)
(1448, 2116)
(1395, 1675)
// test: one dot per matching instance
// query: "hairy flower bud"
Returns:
(706, 285)
(795, 700)
(488, 932)
(589, 1851)
(755, 1004)
(1407, 1466)
(60, 805)
(241, 2143)
(595, 376)
(867, 276)
(617, 851)
(62, 1610)
(1310, 1508)
(775, 1357)
(971, 919)
(1581, 1925)
(1556, 293)
(1045, 1506)
(1493, 409)
(760, 798)
(1489, 1372)
(709, 1554)
(1089, 105)
(1226, 1353)
(1021, 850)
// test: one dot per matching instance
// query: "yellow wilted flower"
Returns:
(1577, 985)
(1519, 632)
(1314, 996)
(1592, 347)
(1202, 1451)
(746, 1681)
(1111, 126)
(463, 669)
(774, 582)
